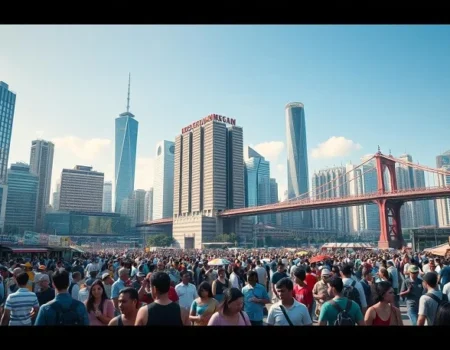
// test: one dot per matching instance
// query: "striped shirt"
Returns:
(20, 305)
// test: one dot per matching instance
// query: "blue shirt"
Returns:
(254, 310)
(116, 288)
(445, 275)
(47, 316)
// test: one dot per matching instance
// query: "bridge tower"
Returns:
(390, 223)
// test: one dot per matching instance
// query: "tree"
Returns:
(160, 240)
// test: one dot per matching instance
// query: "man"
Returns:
(11, 285)
(429, 303)
(22, 305)
(262, 273)
(320, 291)
(46, 293)
(4, 275)
(444, 274)
(137, 283)
(367, 283)
(29, 270)
(187, 293)
(330, 310)
(118, 286)
(255, 299)
(288, 311)
(350, 283)
(128, 306)
(107, 283)
(302, 292)
(63, 310)
(412, 289)
(162, 312)
(277, 276)
(394, 277)
(93, 268)
(74, 287)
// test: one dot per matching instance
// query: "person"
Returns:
(443, 315)
(429, 303)
(320, 290)
(255, 299)
(22, 305)
(100, 309)
(204, 306)
(230, 311)
(74, 287)
(302, 292)
(288, 311)
(162, 311)
(187, 293)
(280, 274)
(45, 293)
(121, 283)
(384, 313)
(63, 310)
(332, 309)
(107, 283)
(128, 306)
(220, 284)
(412, 289)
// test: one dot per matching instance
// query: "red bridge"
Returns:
(388, 197)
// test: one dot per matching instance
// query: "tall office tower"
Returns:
(443, 160)
(148, 216)
(163, 183)
(357, 222)
(55, 201)
(443, 204)
(7, 106)
(275, 219)
(257, 184)
(41, 164)
(81, 190)
(22, 198)
(422, 208)
(208, 177)
(139, 197)
(404, 183)
(297, 161)
(3, 197)
(125, 154)
(330, 183)
(107, 197)
(128, 208)
(285, 216)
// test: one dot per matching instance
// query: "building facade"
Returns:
(148, 216)
(3, 198)
(21, 203)
(297, 162)
(107, 197)
(7, 107)
(163, 180)
(55, 199)
(275, 219)
(81, 190)
(139, 197)
(41, 164)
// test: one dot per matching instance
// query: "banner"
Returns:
(54, 241)
(30, 238)
(43, 239)
(65, 241)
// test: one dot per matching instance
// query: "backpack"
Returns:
(352, 293)
(343, 317)
(66, 317)
(440, 302)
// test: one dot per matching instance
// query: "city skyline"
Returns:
(377, 76)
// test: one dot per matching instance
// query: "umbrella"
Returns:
(219, 262)
(318, 258)
(302, 252)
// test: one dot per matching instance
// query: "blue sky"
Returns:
(362, 86)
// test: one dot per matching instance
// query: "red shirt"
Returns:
(303, 295)
(310, 280)
(173, 296)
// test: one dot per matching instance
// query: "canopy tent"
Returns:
(347, 246)
(440, 250)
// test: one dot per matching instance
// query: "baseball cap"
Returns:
(325, 272)
(105, 276)
(413, 269)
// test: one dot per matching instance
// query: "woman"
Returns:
(100, 309)
(219, 285)
(383, 313)
(443, 315)
(204, 306)
(231, 313)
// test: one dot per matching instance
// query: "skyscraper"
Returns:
(149, 205)
(297, 161)
(163, 180)
(139, 197)
(125, 154)
(107, 197)
(275, 219)
(7, 107)
(56, 195)
(443, 160)
(41, 164)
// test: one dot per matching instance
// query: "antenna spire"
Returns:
(128, 98)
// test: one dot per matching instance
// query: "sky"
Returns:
(362, 86)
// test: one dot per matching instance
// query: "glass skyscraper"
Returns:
(7, 106)
(297, 161)
(125, 155)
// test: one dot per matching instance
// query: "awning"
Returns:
(29, 250)
(78, 250)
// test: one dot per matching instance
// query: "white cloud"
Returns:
(335, 146)
(144, 173)
(281, 168)
(83, 149)
(269, 150)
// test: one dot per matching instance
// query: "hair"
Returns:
(280, 263)
(61, 279)
(235, 269)
(335, 269)
(308, 269)
(366, 271)
(252, 274)
(347, 270)
(230, 295)
(76, 274)
(384, 272)
(221, 269)
(22, 279)
(132, 293)
(300, 274)
(123, 271)
(91, 299)
(382, 288)
(431, 278)
(161, 282)
(336, 283)
(184, 273)
(206, 287)
(285, 282)
(442, 315)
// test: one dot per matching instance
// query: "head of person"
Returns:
(385, 292)
(430, 280)
(4, 272)
(96, 292)
(284, 289)
(22, 279)
(413, 272)
(160, 282)
(335, 286)
(233, 301)
(325, 275)
(76, 277)
(280, 267)
(44, 282)
(335, 271)
(221, 272)
(432, 265)
(185, 277)
(61, 280)
(124, 274)
(383, 273)
(443, 315)
(252, 277)
(160, 266)
(128, 300)
(300, 275)
(347, 270)
(205, 290)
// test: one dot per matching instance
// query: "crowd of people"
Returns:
(225, 287)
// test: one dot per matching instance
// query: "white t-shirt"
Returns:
(446, 290)
(297, 313)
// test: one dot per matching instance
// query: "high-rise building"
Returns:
(41, 164)
(107, 197)
(163, 183)
(55, 201)
(139, 197)
(7, 107)
(21, 203)
(149, 205)
(443, 204)
(128, 208)
(81, 190)
(125, 155)
(297, 161)
(275, 219)
(208, 177)
(370, 185)
(257, 184)
(443, 160)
